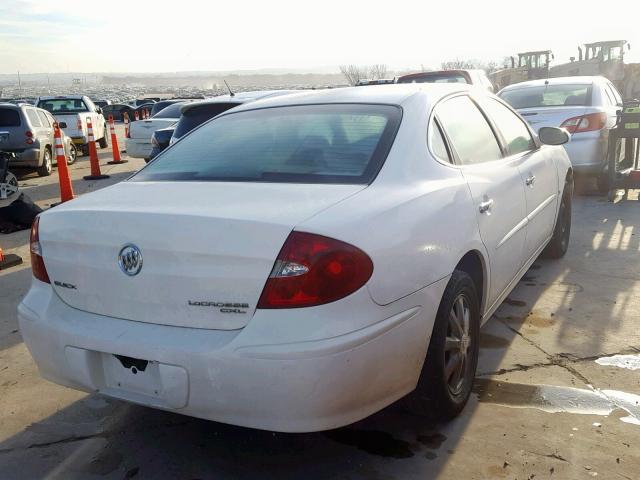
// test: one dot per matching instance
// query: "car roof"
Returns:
(237, 98)
(395, 94)
(583, 80)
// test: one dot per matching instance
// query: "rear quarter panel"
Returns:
(416, 220)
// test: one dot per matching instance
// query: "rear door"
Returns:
(47, 126)
(495, 184)
(39, 131)
(537, 171)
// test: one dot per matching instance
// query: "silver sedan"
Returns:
(586, 106)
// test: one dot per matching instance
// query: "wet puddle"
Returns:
(384, 444)
(554, 399)
(630, 362)
(373, 442)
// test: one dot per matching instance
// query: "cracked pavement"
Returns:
(542, 407)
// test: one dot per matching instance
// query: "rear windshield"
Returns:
(548, 96)
(299, 144)
(196, 116)
(439, 78)
(9, 117)
(63, 105)
(172, 111)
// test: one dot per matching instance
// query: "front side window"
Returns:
(516, 134)
(468, 130)
(297, 144)
(548, 96)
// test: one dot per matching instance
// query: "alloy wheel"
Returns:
(457, 345)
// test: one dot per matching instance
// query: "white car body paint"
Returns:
(299, 369)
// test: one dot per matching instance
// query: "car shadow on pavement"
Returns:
(565, 309)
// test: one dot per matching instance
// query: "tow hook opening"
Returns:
(135, 364)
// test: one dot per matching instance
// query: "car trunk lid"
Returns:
(207, 247)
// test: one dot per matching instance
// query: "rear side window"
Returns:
(468, 130)
(196, 116)
(548, 96)
(298, 144)
(63, 105)
(172, 111)
(9, 117)
(516, 134)
(33, 118)
(438, 145)
(43, 119)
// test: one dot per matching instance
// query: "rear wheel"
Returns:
(72, 155)
(47, 164)
(450, 366)
(103, 141)
(559, 243)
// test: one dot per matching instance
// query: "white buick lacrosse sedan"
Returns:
(299, 263)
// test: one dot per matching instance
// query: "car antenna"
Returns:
(231, 94)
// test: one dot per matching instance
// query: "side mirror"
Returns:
(99, 110)
(553, 136)
(62, 124)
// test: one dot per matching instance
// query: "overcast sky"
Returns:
(153, 36)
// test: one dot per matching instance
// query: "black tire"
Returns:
(46, 168)
(435, 394)
(72, 155)
(559, 243)
(103, 142)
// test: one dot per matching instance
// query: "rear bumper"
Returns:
(588, 152)
(27, 158)
(234, 376)
(139, 148)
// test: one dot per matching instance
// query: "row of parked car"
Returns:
(588, 107)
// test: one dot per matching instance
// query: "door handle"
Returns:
(530, 181)
(484, 207)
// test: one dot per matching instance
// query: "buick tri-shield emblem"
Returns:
(130, 260)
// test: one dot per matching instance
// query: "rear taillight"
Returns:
(79, 124)
(29, 135)
(37, 263)
(585, 123)
(313, 270)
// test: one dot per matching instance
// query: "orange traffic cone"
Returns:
(9, 260)
(66, 188)
(114, 144)
(126, 124)
(137, 117)
(93, 156)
